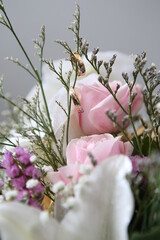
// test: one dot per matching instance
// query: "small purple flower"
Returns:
(19, 151)
(39, 188)
(21, 170)
(24, 159)
(13, 171)
(19, 182)
(137, 161)
(22, 195)
(22, 155)
(37, 192)
(37, 173)
(32, 171)
(8, 160)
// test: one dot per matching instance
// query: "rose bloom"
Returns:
(99, 146)
(95, 100)
(55, 91)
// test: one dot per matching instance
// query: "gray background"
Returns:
(130, 26)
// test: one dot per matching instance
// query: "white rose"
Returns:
(103, 208)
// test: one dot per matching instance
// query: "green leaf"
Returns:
(147, 146)
(153, 234)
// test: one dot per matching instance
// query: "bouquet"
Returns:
(80, 155)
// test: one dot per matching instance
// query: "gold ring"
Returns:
(76, 59)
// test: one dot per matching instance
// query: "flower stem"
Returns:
(69, 105)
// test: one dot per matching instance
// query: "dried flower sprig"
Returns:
(75, 28)
(33, 126)
(96, 64)
(34, 73)
(151, 78)
(105, 82)
(151, 98)
(76, 67)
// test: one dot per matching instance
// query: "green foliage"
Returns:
(153, 234)
(146, 188)
(148, 145)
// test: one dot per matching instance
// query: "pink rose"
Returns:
(100, 146)
(95, 100)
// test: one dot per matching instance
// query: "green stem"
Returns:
(69, 105)
(26, 55)
(131, 117)
(123, 131)
(7, 144)
(115, 98)
(27, 70)
(19, 108)
(68, 120)
(77, 34)
(96, 69)
(12, 143)
(41, 57)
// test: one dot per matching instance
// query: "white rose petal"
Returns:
(77, 188)
(102, 210)
(19, 221)
(1, 198)
(44, 217)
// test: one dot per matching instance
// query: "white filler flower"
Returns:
(31, 183)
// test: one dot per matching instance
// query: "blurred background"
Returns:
(123, 25)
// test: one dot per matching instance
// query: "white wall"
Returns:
(129, 26)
